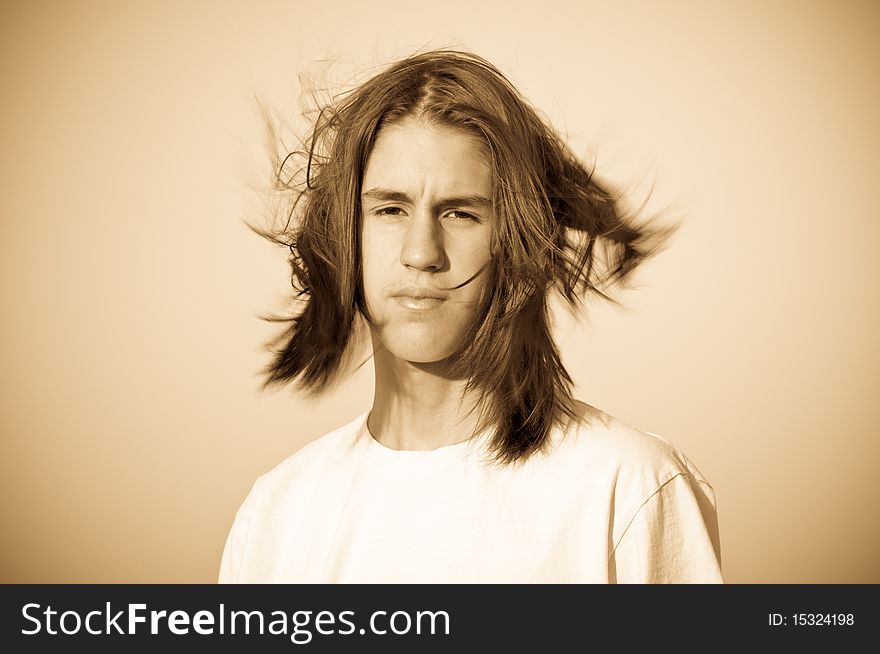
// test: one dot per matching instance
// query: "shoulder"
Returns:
(310, 461)
(608, 446)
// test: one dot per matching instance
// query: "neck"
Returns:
(417, 406)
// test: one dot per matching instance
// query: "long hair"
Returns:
(552, 218)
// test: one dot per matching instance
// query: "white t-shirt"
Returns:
(607, 503)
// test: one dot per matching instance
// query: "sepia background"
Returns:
(133, 151)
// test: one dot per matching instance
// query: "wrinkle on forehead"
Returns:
(426, 160)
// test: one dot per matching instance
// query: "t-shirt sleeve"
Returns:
(235, 550)
(672, 538)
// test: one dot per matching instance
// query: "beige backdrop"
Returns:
(131, 147)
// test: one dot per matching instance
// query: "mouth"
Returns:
(418, 299)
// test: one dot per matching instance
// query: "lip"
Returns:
(418, 304)
(418, 299)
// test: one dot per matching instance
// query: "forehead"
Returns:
(420, 157)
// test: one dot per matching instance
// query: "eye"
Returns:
(463, 216)
(388, 211)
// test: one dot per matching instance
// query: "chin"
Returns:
(425, 345)
(419, 353)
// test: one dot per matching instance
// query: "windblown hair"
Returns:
(551, 220)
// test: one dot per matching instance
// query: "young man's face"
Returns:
(425, 229)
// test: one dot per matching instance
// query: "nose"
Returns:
(423, 245)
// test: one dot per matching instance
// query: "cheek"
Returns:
(377, 269)
(471, 259)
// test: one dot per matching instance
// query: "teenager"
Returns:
(435, 215)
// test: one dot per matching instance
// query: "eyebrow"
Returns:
(387, 195)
